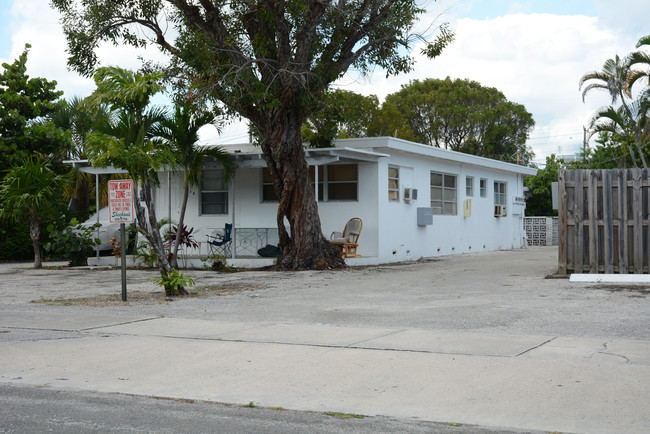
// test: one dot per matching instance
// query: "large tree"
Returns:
(23, 102)
(465, 116)
(267, 61)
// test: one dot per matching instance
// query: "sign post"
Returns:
(120, 209)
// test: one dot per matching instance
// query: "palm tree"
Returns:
(80, 119)
(181, 132)
(639, 58)
(614, 78)
(27, 190)
(129, 144)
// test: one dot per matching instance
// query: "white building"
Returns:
(415, 200)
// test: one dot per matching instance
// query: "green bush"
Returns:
(74, 242)
(15, 241)
(146, 253)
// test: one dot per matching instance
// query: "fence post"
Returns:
(608, 229)
(592, 198)
(622, 222)
(562, 223)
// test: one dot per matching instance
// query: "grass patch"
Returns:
(340, 415)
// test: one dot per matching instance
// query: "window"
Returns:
(393, 183)
(483, 187)
(469, 186)
(335, 183)
(443, 193)
(268, 192)
(214, 193)
(340, 182)
(499, 193)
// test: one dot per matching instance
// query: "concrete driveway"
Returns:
(475, 339)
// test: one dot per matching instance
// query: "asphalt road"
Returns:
(31, 410)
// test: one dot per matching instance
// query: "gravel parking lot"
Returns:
(496, 292)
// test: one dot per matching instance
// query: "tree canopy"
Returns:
(24, 101)
(464, 116)
(630, 121)
(266, 61)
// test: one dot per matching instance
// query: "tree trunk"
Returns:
(179, 229)
(35, 234)
(150, 229)
(305, 247)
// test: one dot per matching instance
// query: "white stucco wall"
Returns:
(390, 231)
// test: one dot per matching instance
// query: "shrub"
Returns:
(74, 242)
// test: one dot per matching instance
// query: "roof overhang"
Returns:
(248, 160)
(86, 167)
(314, 157)
(392, 145)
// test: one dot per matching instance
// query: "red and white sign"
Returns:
(120, 201)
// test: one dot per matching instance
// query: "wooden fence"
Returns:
(603, 221)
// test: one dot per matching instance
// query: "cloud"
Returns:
(534, 59)
(34, 22)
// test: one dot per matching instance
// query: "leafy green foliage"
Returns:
(27, 193)
(28, 188)
(216, 263)
(74, 242)
(630, 121)
(24, 100)
(130, 143)
(464, 116)
(540, 202)
(341, 114)
(145, 253)
(15, 241)
(173, 282)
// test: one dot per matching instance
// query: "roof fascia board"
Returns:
(438, 153)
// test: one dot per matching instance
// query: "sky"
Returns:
(533, 51)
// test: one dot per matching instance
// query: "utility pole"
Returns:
(585, 142)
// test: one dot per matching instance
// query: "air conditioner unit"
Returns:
(499, 211)
(410, 194)
(467, 208)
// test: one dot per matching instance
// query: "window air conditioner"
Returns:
(499, 211)
(410, 194)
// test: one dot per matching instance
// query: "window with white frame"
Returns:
(214, 193)
(469, 186)
(337, 182)
(443, 193)
(500, 193)
(483, 187)
(393, 183)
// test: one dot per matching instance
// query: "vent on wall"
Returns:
(499, 211)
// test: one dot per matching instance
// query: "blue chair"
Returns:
(219, 244)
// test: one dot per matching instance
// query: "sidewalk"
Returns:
(525, 382)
